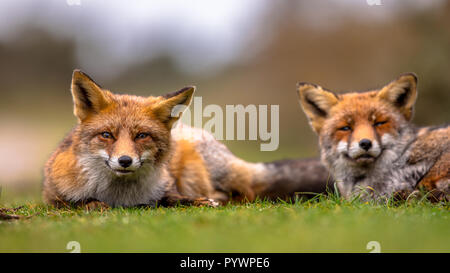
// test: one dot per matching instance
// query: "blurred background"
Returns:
(235, 52)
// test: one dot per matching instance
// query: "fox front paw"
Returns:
(404, 195)
(96, 205)
(205, 202)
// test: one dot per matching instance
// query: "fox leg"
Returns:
(437, 180)
(90, 204)
(238, 185)
(95, 205)
(173, 199)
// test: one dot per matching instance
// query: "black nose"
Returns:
(125, 161)
(365, 144)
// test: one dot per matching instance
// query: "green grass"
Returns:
(326, 224)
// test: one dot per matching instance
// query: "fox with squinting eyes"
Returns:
(124, 152)
(370, 146)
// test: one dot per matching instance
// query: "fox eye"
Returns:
(142, 135)
(106, 135)
(379, 123)
(345, 128)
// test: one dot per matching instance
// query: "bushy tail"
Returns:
(289, 178)
(279, 179)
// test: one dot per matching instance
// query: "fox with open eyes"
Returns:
(124, 152)
(370, 146)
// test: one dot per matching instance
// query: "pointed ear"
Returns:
(316, 103)
(168, 109)
(88, 97)
(401, 93)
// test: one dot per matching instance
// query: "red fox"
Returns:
(370, 146)
(124, 152)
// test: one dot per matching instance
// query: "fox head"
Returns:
(361, 129)
(122, 133)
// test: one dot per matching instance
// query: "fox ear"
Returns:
(88, 97)
(316, 103)
(401, 93)
(172, 105)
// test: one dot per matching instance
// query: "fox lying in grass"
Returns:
(369, 144)
(124, 152)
